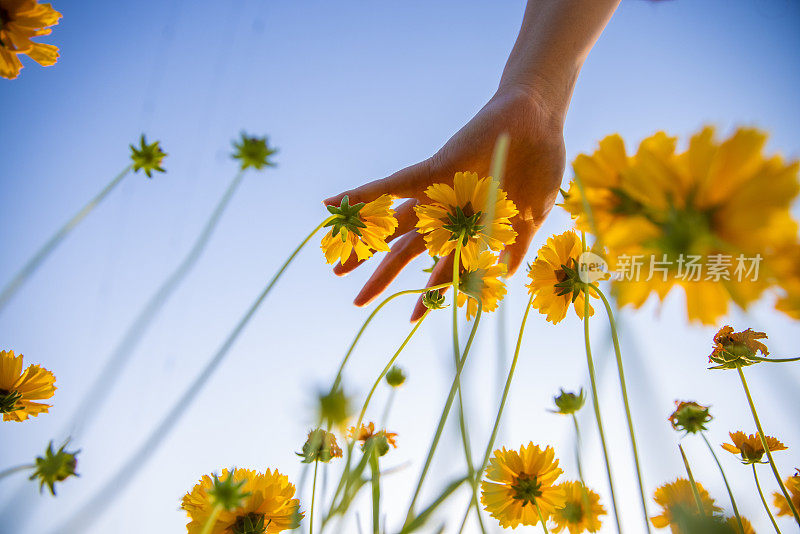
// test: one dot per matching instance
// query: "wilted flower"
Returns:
(334, 408)
(381, 439)
(55, 467)
(361, 228)
(793, 486)
(581, 511)
(737, 349)
(750, 448)
(320, 446)
(462, 212)
(147, 157)
(569, 403)
(253, 152)
(20, 20)
(484, 284)
(555, 280)
(519, 482)
(19, 390)
(395, 377)
(433, 300)
(690, 417)
(677, 501)
(268, 506)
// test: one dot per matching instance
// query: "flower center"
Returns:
(572, 512)
(8, 400)
(346, 218)
(684, 232)
(625, 204)
(569, 280)
(463, 223)
(251, 523)
(526, 488)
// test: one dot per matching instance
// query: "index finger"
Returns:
(405, 183)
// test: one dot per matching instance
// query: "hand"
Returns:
(533, 173)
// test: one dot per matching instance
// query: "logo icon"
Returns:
(591, 267)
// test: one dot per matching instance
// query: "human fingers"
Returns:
(514, 254)
(406, 249)
(405, 183)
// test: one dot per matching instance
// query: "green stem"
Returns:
(766, 447)
(695, 491)
(727, 486)
(764, 501)
(504, 397)
(596, 405)
(313, 494)
(376, 491)
(212, 519)
(443, 418)
(774, 360)
(462, 424)
(29, 268)
(624, 390)
(541, 517)
(578, 448)
(11, 470)
(387, 409)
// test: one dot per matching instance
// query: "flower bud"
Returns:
(320, 445)
(433, 300)
(54, 467)
(690, 417)
(395, 377)
(569, 403)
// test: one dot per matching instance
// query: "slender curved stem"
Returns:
(766, 446)
(628, 417)
(443, 418)
(695, 491)
(504, 397)
(764, 501)
(212, 519)
(107, 493)
(578, 448)
(29, 268)
(727, 486)
(596, 405)
(313, 495)
(541, 517)
(774, 360)
(376, 491)
(11, 470)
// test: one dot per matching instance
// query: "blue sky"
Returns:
(349, 92)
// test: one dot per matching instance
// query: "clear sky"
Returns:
(349, 91)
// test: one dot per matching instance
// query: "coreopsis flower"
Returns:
(569, 403)
(334, 408)
(474, 210)
(54, 467)
(395, 376)
(519, 481)
(381, 439)
(268, 505)
(253, 152)
(320, 446)
(750, 448)
(737, 349)
(733, 525)
(19, 390)
(20, 21)
(690, 417)
(147, 157)
(581, 511)
(786, 263)
(680, 215)
(677, 501)
(555, 279)
(434, 300)
(484, 283)
(793, 486)
(227, 492)
(362, 228)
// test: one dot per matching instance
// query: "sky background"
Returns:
(349, 92)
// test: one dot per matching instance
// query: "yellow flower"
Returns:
(750, 447)
(19, 390)
(484, 283)
(666, 209)
(362, 228)
(463, 211)
(268, 504)
(20, 20)
(581, 511)
(677, 501)
(519, 481)
(793, 485)
(367, 432)
(737, 349)
(734, 525)
(787, 266)
(689, 417)
(555, 281)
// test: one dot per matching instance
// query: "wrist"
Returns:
(551, 94)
